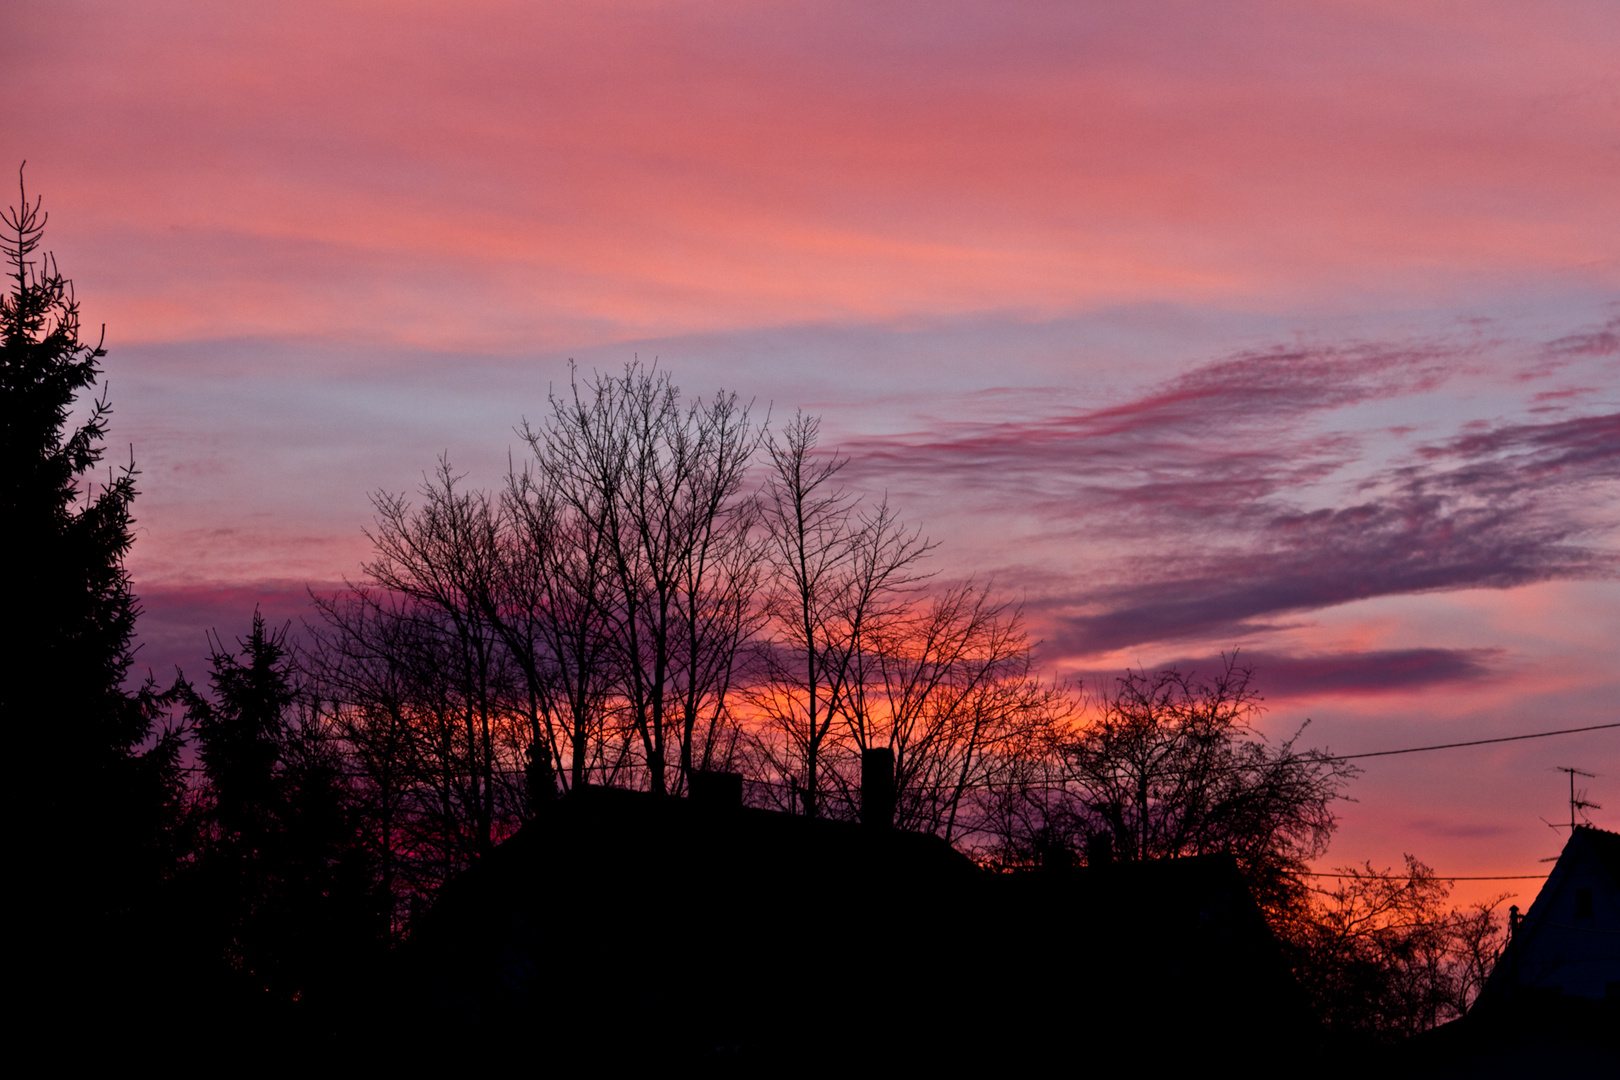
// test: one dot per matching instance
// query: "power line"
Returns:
(1444, 877)
(1476, 742)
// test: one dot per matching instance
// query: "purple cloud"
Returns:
(1198, 486)
(1493, 509)
(1605, 342)
(1169, 431)
(1208, 452)
(1281, 675)
(1570, 348)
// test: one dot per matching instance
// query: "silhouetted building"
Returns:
(1568, 942)
(1553, 997)
(620, 927)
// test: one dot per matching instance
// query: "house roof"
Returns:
(820, 939)
(1568, 941)
(1604, 846)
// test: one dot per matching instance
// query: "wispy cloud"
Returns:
(1350, 673)
(1206, 446)
(1491, 510)
(1232, 502)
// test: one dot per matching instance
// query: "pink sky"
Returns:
(1276, 326)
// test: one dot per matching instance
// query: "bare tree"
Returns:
(1382, 955)
(1172, 766)
(364, 656)
(435, 747)
(444, 558)
(557, 615)
(957, 699)
(659, 487)
(718, 576)
(836, 576)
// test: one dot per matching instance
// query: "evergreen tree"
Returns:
(241, 733)
(97, 787)
(287, 899)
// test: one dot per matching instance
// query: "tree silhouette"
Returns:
(90, 770)
(658, 484)
(240, 734)
(1384, 958)
(1171, 766)
(404, 692)
(441, 557)
(556, 580)
(950, 687)
(287, 892)
(838, 576)
(592, 621)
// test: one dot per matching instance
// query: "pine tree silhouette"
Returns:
(97, 797)
(287, 901)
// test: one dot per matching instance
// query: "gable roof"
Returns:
(1568, 941)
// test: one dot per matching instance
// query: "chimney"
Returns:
(877, 788)
(716, 790)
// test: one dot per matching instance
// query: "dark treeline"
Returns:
(664, 589)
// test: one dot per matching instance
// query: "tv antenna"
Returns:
(1577, 802)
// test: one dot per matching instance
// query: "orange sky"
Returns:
(1151, 284)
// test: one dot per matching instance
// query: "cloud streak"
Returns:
(1500, 510)
(1232, 501)
(1212, 437)
(1355, 673)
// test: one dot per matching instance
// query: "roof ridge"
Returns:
(1596, 829)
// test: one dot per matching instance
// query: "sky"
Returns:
(1289, 329)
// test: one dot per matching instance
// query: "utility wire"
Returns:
(1443, 877)
(1476, 742)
